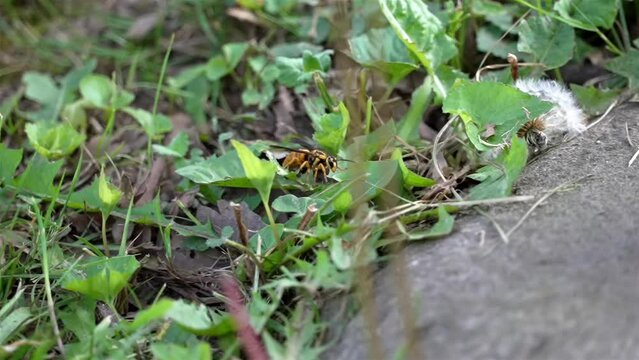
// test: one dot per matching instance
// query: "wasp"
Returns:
(533, 133)
(309, 160)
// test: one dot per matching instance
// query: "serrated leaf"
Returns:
(53, 141)
(498, 178)
(421, 31)
(101, 278)
(483, 104)
(550, 42)
(588, 14)
(626, 65)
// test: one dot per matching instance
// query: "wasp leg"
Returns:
(324, 171)
(305, 165)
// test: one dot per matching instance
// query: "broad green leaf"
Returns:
(496, 13)
(75, 115)
(187, 75)
(221, 65)
(87, 198)
(626, 65)
(330, 129)
(588, 14)
(443, 226)
(9, 161)
(177, 148)
(98, 90)
(109, 193)
(101, 278)
(79, 318)
(53, 141)
(292, 71)
(488, 41)
(311, 62)
(343, 202)
(267, 238)
(411, 179)
(152, 125)
(171, 351)
(196, 319)
(260, 172)
(42, 89)
(51, 97)
(215, 241)
(550, 41)
(225, 170)
(102, 92)
(196, 103)
(448, 76)
(293, 49)
(217, 68)
(233, 53)
(484, 105)
(381, 49)
(251, 97)
(421, 31)
(293, 204)
(593, 100)
(497, 179)
(270, 73)
(39, 175)
(8, 105)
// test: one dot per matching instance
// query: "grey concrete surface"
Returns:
(566, 286)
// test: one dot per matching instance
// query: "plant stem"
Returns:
(104, 236)
(271, 220)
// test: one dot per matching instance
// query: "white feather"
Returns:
(565, 119)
